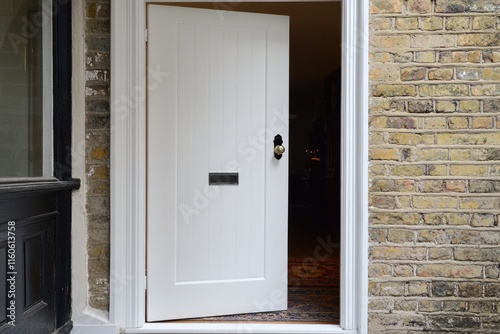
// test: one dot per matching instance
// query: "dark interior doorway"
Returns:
(314, 156)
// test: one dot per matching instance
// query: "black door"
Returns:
(35, 166)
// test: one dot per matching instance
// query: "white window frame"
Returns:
(128, 178)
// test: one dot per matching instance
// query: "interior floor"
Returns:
(313, 273)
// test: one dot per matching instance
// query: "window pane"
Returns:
(25, 88)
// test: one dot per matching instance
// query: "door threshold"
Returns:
(242, 327)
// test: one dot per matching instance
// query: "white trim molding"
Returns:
(128, 179)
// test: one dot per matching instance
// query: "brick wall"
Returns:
(434, 166)
(97, 40)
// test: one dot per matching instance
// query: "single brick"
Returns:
(386, 288)
(434, 41)
(492, 271)
(410, 138)
(432, 154)
(420, 106)
(413, 73)
(384, 154)
(383, 202)
(417, 289)
(492, 39)
(440, 74)
(442, 289)
(469, 74)
(484, 186)
(454, 306)
(386, 72)
(477, 254)
(491, 203)
(469, 170)
(482, 122)
(458, 122)
(379, 270)
(447, 323)
(444, 90)
(446, 106)
(433, 236)
(385, 6)
(431, 186)
(435, 202)
(395, 218)
(436, 123)
(390, 41)
(483, 22)
(398, 253)
(473, 237)
(431, 23)
(492, 106)
(430, 306)
(492, 290)
(457, 23)
(403, 270)
(402, 57)
(394, 90)
(461, 6)
(460, 154)
(406, 23)
(380, 23)
(482, 307)
(425, 57)
(468, 106)
(455, 186)
(419, 6)
(440, 253)
(400, 235)
(491, 73)
(467, 138)
(437, 170)
(405, 305)
(377, 235)
(449, 270)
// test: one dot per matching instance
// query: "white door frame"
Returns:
(128, 178)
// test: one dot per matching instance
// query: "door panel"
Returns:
(216, 249)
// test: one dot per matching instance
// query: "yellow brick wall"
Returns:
(434, 166)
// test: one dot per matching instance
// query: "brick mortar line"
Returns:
(434, 14)
(436, 178)
(447, 48)
(452, 65)
(438, 131)
(437, 82)
(391, 279)
(433, 246)
(438, 98)
(435, 210)
(434, 194)
(432, 114)
(418, 227)
(441, 31)
(436, 65)
(426, 162)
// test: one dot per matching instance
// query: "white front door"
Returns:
(217, 195)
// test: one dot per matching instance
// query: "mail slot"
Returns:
(221, 179)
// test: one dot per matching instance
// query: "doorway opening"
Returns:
(314, 159)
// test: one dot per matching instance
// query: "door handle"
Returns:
(279, 149)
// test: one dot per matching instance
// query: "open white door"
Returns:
(217, 195)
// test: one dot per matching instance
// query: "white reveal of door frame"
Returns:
(128, 178)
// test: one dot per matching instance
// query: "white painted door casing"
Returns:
(215, 250)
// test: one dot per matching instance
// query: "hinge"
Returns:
(146, 35)
(145, 282)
